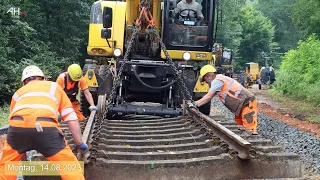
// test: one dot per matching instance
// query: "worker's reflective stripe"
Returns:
(15, 96)
(38, 94)
(71, 116)
(231, 82)
(33, 106)
(50, 95)
(238, 91)
(66, 111)
(53, 88)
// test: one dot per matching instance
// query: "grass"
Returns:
(4, 114)
(307, 108)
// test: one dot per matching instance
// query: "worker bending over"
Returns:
(33, 123)
(70, 81)
(241, 102)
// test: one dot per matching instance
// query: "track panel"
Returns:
(178, 148)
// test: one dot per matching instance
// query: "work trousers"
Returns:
(248, 116)
(76, 108)
(50, 143)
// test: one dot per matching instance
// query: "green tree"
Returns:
(52, 35)
(257, 36)
(280, 13)
(7, 63)
(306, 15)
(229, 29)
(63, 25)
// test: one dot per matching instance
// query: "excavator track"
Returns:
(148, 147)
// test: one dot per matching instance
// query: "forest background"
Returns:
(54, 33)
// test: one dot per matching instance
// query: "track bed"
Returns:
(146, 147)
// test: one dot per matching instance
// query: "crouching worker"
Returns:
(70, 81)
(241, 102)
(33, 124)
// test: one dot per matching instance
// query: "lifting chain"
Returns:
(181, 85)
(146, 3)
(174, 69)
(102, 118)
(125, 60)
(207, 130)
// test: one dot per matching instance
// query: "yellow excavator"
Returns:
(251, 74)
(148, 51)
(223, 58)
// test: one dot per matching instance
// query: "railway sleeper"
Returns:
(161, 155)
(176, 148)
(209, 167)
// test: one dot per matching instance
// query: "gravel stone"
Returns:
(291, 138)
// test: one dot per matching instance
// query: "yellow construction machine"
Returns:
(222, 58)
(252, 74)
(148, 51)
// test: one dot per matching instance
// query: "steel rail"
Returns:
(101, 105)
(235, 142)
(87, 131)
(4, 130)
(83, 155)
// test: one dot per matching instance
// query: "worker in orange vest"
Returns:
(33, 124)
(70, 81)
(241, 102)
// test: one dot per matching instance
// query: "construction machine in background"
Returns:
(143, 51)
(223, 59)
(267, 75)
(252, 74)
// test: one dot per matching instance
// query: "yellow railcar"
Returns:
(147, 75)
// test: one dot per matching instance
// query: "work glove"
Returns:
(82, 152)
(83, 146)
(93, 108)
(193, 105)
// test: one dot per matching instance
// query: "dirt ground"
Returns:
(272, 108)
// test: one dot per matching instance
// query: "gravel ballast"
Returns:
(291, 138)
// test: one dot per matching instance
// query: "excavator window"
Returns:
(188, 23)
(96, 13)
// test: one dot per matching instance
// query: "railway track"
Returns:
(187, 147)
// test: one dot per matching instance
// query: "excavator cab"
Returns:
(188, 29)
(164, 38)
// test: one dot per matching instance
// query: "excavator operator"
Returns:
(33, 124)
(70, 81)
(188, 9)
(241, 102)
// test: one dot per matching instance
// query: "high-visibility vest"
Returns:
(36, 99)
(233, 95)
(71, 93)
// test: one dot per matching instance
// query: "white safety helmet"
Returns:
(30, 71)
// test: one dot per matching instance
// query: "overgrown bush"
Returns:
(299, 74)
(20, 48)
(52, 35)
